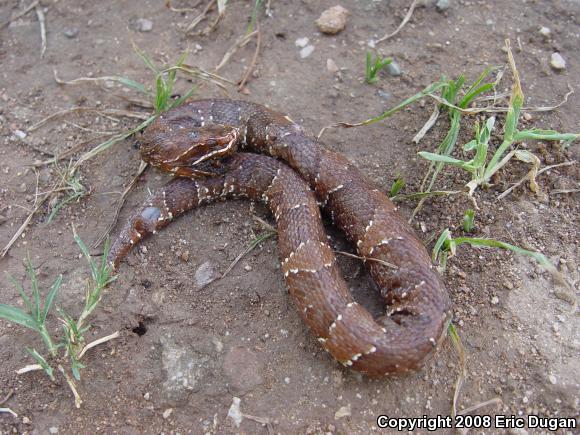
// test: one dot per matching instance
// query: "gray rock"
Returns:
(71, 33)
(545, 32)
(205, 274)
(144, 25)
(393, 69)
(302, 42)
(442, 5)
(243, 370)
(332, 20)
(184, 366)
(383, 94)
(557, 62)
(306, 51)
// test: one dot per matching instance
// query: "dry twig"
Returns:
(19, 14)
(405, 20)
(120, 204)
(254, 58)
(42, 22)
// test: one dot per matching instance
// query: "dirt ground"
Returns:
(185, 352)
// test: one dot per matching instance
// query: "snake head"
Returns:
(180, 149)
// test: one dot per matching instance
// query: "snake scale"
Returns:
(196, 143)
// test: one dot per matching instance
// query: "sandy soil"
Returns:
(185, 352)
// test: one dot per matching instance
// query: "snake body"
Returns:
(417, 304)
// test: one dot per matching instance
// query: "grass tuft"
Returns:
(373, 66)
(72, 338)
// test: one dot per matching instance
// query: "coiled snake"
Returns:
(196, 142)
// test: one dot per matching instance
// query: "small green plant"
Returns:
(396, 187)
(37, 310)
(468, 220)
(446, 247)
(73, 335)
(73, 187)
(479, 167)
(373, 66)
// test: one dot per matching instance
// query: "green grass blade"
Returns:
(42, 362)
(16, 315)
(146, 59)
(468, 220)
(183, 98)
(397, 185)
(491, 243)
(474, 93)
(539, 134)
(445, 235)
(50, 298)
(86, 254)
(433, 87)
(480, 79)
(447, 160)
(20, 289)
(35, 312)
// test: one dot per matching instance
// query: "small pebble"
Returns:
(19, 134)
(545, 32)
(557, 62)
(343, 411)
(167, 413)
(331, 66)
(508, 285)
(393, 69)
(205, 274)
(287, 380)
(25, 420)
(306, 51)
(144, 25)
(302, 42)
(247, 267)
(383, 94)
(494, 300)
(71, 33)
(146, 396)
(53, 429)
(553, 380)
(332, 20)
(442, 5)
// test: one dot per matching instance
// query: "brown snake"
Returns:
(196, 142)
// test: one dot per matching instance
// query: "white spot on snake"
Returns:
(335, 189)
(356, 357)
(368, 227)
(300, 270)
(273, 180)
(420, 284)
(298, 206)
(372, 349)
(350, 304)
